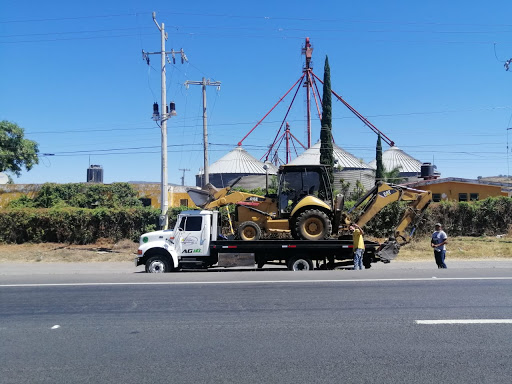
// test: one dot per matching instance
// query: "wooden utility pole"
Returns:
(183, 177)
(163, 117)
(204, 83)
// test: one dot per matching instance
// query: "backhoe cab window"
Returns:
(191, 223)
(296, 185)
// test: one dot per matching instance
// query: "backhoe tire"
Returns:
(158, 264)
(313, 224)
(300, 263)
(249, 231)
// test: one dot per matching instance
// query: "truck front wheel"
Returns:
(249, 231)
(158, 264)
(300, 264)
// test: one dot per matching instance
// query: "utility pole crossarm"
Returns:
(204, 83)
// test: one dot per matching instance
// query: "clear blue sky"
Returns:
(430, 75)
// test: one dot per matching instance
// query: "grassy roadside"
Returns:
(459, 248)
(102, 251)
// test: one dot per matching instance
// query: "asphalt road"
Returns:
(257, 327)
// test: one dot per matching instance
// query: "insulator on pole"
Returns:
(156, 114)
(172, 107)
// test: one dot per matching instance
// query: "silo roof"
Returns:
(240, 161)
(345, 159)
(394, 157)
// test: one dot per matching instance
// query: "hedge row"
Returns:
(75, 225)
(489, 217)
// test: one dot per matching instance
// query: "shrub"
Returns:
(81, 195)
(75, 225)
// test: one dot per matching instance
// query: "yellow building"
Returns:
(149, 193)
(456, 189)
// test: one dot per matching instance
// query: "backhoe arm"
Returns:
(380, 196)
(412, 216)
(212, 198)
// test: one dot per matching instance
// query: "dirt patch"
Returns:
(459, 248)
(103, 250)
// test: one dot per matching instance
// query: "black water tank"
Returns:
(95, 174)
(427, 170)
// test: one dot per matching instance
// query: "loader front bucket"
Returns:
(388, 251)
(200, 197)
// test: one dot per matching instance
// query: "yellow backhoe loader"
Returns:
(304, 206)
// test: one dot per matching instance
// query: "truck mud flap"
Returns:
(388, 251)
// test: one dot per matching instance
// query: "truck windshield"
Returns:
(190, 223)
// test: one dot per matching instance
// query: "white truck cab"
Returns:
(187, 243)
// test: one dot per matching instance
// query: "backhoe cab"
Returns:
(304, 205)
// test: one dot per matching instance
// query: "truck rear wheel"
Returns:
(300, 264)
(249, 231)
(158, 264)
(313, 224)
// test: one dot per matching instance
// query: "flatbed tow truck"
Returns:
(195, 243)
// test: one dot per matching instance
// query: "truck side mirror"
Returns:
(162, 221)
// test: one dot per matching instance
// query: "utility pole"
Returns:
(166, 114)
(204, 83)
(183, 177)
(508, 165)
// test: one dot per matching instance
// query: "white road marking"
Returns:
(465, 321)
(55, 327)
(251, 282)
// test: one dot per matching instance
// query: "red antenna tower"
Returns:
(307, 80)
(307, 50)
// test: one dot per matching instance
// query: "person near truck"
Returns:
(358, 241)
(439, 240)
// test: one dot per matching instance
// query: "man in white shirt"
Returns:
(439, 239)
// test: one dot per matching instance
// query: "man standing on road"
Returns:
(357, 236)
(439, 239)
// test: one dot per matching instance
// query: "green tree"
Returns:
(16, 152)
(326, 151)
(393, 175)
(345, 186)
(358, 191)
(379, 173)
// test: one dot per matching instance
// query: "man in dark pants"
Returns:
(439, 239)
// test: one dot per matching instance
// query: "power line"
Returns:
(71, 18)
(279, 121)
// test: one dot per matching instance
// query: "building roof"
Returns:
(457, 180)
(240, 161)
(394, 157)
(345, 159)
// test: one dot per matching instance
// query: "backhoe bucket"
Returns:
(389, 251)
(200, 197)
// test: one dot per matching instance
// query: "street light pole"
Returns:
(204, 82)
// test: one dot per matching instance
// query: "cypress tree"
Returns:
(326, 150)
